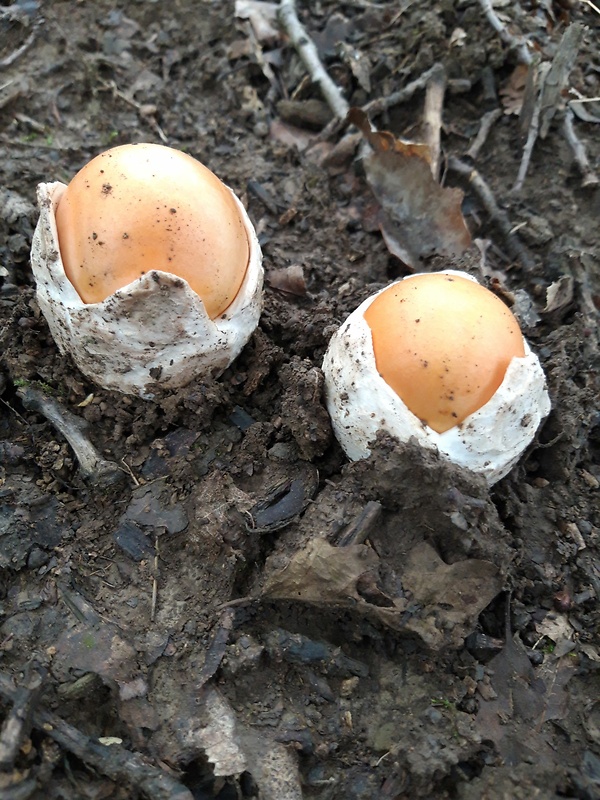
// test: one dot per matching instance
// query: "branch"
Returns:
(310, 58)
(516, 248)
(92, 465)
(514, 42)
(120, 765)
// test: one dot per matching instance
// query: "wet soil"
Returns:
(234, 610)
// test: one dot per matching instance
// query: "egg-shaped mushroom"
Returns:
(438, 357)
(147, 268)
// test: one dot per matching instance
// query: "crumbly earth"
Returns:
(233, 605)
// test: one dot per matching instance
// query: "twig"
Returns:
(146, 112)
(591, 5)
(216, 649)
(120, 765)
(514, 42)
(558, 74)
(589, 176)
(487, 121)
(534, 127)
(154, 581)
(17, 725)
(10, 59)
(515, 247)
(360, 528)
(310, 57)
(582, 267)
(402, 95)
(378, 105)
(432, 117)
(92, 465)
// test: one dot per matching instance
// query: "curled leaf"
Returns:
(418, 217)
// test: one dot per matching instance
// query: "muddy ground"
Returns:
(233, 609)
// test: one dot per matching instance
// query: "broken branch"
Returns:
(307, 51)
(589, 176)
(72, 427)
(432, 117)
(516, 43)
(120, 765)
(402, 95)
(487, 121)
(516, 248)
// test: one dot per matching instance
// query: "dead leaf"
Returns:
(290, 135)
(418, 217)
(446, 599)
(358, 64)
(289, 280)
(451, 596)
(513, 91)
(321, 573)
(555, 627)
(559, 294)
(99, 648)
(458, 37)
(153, 506)
(525, 699)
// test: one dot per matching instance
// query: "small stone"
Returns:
(348, 686)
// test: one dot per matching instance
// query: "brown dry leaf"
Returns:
(358, 63)
(513, 91)
(418, 217)
(289, 280)
(559, 294)
(321, 573)
(289, 135)
(525, 698)
(452, 595)
(446, 598)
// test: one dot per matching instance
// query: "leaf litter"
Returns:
(418, 217)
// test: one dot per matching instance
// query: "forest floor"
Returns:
(150, 645)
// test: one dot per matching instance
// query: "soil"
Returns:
(232, 608)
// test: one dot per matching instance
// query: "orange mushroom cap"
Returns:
(143, 207)
(443, 343)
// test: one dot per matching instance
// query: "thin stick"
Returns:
(17, 725)
(432, 117)
(154, 581)
(514, 42)
(402, 95)
(93, 466)
(10, 59)
(591, 5)
(310, 57)
(487, 121)
(589, 176)
(121, 766)
(534, 127)
(360, 528)
(516, 248)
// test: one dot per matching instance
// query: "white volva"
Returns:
(154, 332)
(360, 403)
